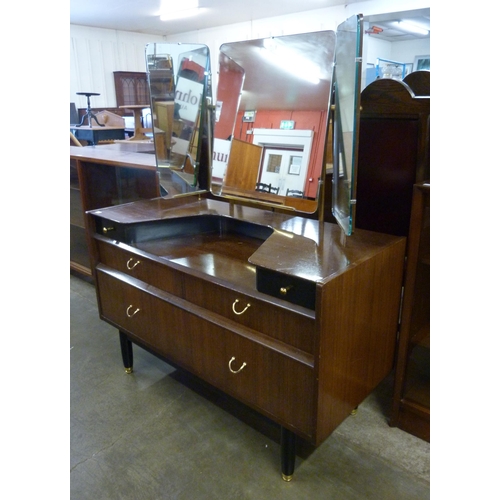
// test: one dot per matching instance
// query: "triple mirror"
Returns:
(266, 134)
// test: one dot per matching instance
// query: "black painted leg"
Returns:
(287, 454)
(95, 118)
(127, 353)
(82, 120)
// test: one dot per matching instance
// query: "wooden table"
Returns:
(139, 130)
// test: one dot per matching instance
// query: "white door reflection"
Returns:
(286, 158)
(283, 169)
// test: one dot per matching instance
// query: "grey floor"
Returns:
(159, 434)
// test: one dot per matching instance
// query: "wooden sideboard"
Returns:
(103, 176)
(269, 308)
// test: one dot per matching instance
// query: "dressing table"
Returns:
(275, 308)
(269, 308)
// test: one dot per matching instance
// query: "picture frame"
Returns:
(422, 63)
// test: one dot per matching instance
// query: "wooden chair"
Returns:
(263, 188)
(295, 193)
(274, 190)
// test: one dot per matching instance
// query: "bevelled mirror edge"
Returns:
(272, 124)
(347, 85)
(179, 79)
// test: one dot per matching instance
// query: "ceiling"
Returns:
(142, 16)
(391, 32)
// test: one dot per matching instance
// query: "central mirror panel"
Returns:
(271, 119)
(179, 84)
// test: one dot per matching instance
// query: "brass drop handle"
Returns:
(131, 314)
(285, 289)
(131, 264)
(106, 230)
(239, 312)
(239, 369)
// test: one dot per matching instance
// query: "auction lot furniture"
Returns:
(269, 308)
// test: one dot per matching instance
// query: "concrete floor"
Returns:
(160, 434)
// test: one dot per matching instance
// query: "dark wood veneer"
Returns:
(193, 299)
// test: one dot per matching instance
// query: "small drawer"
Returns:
(134, 264)
(290, 326)
(290, 288)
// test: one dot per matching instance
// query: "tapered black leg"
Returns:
(127, 353)
(287, 454)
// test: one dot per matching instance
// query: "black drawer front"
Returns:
(295, 290)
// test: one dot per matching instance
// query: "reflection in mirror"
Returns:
(271, 118)
(179, 83)
(346, 128)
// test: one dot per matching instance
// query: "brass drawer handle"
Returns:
(107, 230)
(129, 314)
(285, 289)
(240, 312)
(240, 368)
(131, 264)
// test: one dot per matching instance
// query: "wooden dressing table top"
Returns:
(298, 247)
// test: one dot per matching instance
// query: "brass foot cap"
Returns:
(128, 370)
(286, 478)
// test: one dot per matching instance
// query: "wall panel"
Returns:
(95, 54)
(124, 51)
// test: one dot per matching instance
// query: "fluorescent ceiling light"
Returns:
(290, 61)
(176, 10)
(412, 28)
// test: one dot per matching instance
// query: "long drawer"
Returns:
(290, 324)
(266, 374)
(283, 323)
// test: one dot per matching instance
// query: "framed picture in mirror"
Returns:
(422, 62)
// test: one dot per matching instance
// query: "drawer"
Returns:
(283, 323)
(144, 269)
(270, 381)
(125, 302)
(269, 376)
(291, 288)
